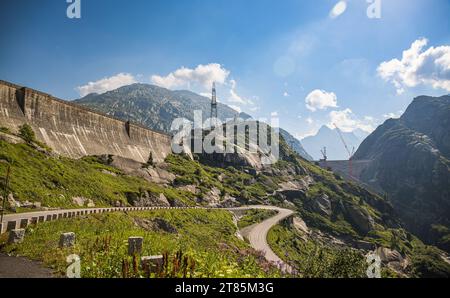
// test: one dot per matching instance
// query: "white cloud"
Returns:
(309, 133)
(309, 120)
(430, 67)
(393, 115)
(107, 84)
(236, 108)
(202, 75)
(286, 94)
(274, 114)
(347, 121)
(320, 100)
(338, 9)
(236, 100)
(234, 97)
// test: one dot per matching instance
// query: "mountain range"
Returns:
(156, 107)
(153, 106)
(329, 138)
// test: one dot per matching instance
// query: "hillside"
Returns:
(156, 108)
(411, 164)
(153, 106)
(327, 137)
(339, 215)
(295, 144)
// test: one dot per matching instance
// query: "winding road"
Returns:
(256, 234)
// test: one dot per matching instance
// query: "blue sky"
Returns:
(288, 58)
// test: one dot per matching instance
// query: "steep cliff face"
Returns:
(410, 162)
(75, 131)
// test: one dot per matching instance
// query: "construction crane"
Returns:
(324, 154)
(350, 153)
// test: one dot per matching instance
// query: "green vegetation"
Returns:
(54, 181)
(5, 130)
(314, 260)
(427, 262)
(229, 181)
(27, 133)
(254, 216)
(204, 238)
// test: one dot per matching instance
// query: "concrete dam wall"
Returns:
(75, 131)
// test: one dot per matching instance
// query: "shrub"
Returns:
(5, 130)
(27, 133)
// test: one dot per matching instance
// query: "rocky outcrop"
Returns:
(393, 259)
(147, 199)
(293, 189)
(300, 225)
(156, 225)
(322, 205)
(289, 194)
(157, 173)
(360, 218)
(411, 164)
(81, 201)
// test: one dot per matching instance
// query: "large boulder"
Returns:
(212, 198)
(290, 194)
(388, 255)
(360, 218)
(147, 199)
(156, 224)
(12, 202)
(79, 201)
(322, 205)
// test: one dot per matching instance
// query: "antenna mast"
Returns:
(213, 105)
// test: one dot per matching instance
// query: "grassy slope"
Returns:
(205, 236)
(54, 181)
(314, 259)
(229, 180)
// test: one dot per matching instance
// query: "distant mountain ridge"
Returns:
(156, 107)
(411, 163)
(329, 138)
(153, 106)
